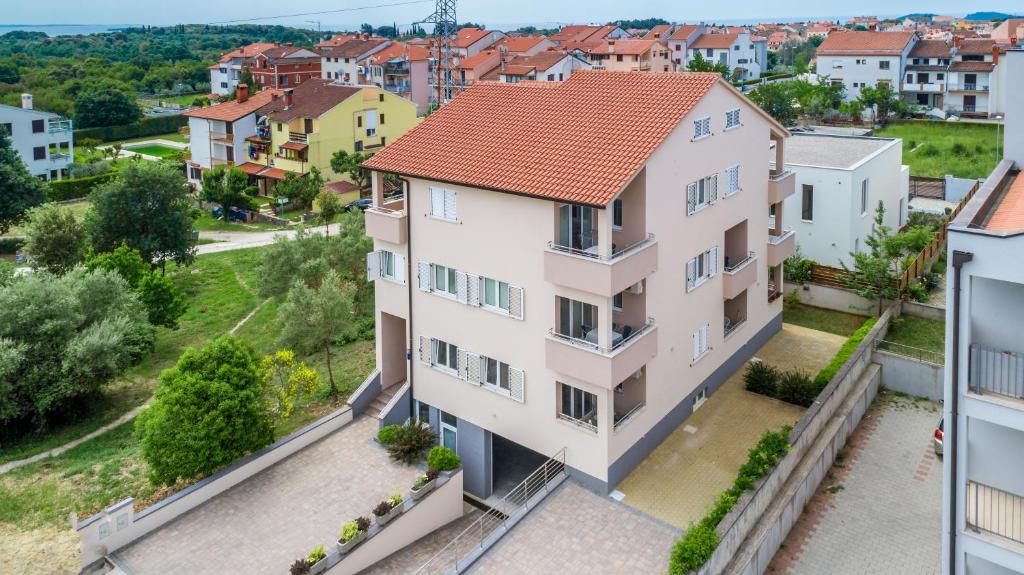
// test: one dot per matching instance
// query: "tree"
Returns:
(208, 410)
(699, 64)
(105, 105)
(124, 261)
(874, 273)
(19, 190)
(330, 207)
(54, 238)
(301, 189)
(313, 317)
(775, 98)
(343, 162)
(228, 187)
(164, 302)
(147, 208)
(287, 379)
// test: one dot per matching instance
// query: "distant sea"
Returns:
(63, 29)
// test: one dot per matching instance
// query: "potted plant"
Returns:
(300, 567)
(442, 458)
(388, 509)
(352, 533)
(424, 484)
(317, 560)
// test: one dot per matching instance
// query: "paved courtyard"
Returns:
(577, 531)
(880, 509)
(265, 523)
(681, 478)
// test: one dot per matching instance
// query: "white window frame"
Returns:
(701, 128)
(568, 412)
(449, 277)
(701, 343)
(491, 287)
(502, 374)
(732, 119)
(701, 268)
(443, 427)
(864, 197)
(617, 302)
(704, 192)
(443, 204)
(451, 352)
(732, 180)
(370, 122)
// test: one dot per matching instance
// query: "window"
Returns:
(701, 193)
(864, 197)
(617, 302)
(39, 153)
(442, 203)
(700, 341)
(38, 126)
(701, 268)
(385, 264)
(382, 119)
(195, 173)
(359, 121)
(551, 77)
(495, 374)
(709, 52)
(423, 412)
(617, 214)
(380, 98)
(576, 319)
(449, 431)
(9, 129)
(280, 127)
(446, 355)
(223, 70)
(701, 128)
(618, 57)
(732, 119)
(736, 47)
(308, 125)
(883, 64)
(856, 245)
(861, 61)
(495, 294)
(371, 123)
(732, 180)
(807, 207)
(578, 406)
(940, 76)
(445, 280)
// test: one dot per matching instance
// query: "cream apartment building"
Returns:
(578, 268)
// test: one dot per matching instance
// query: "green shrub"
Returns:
(411, 441)
(144, 127)
(349, 531)
(761, 378)
(829, 371)
(388, 434)
(796, 387)
(917, 292)
(693, 549)
(76, 188)
(929, 150)
(443, 459)
(959, 149)
(316, 554)
(11, 245)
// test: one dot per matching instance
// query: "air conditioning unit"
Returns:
(637, 288)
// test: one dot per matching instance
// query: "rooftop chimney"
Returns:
(288, 98)
(995, 55)
(366, 36)
(957, 40)
(242, 93)
(26, 101)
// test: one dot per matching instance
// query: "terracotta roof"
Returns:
(247, 51)
(547, 139)
(848, 42)
(400, 50)
(468, 36)
(683, 32)
(520, 43)
(1009, 213)
(625, 47)
(353, 48)
(975, 47)
(931, 49)
(337, 40)
(476, 59)
(251, 168)
(281, 52)
(659, 32)
(342, 187)
(541, 60)
(234, 110)
(297, 146)
(972, 67)
(275, 173)
(310, 99)
(713, 41)
(571, 32)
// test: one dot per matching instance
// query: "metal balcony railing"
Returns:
(298, 137)
(776, 240)
(995, 511)
(731, 325)
(623, 419)
(996, 372)
(59, 126)
(593, 251)
(969, 87)
(589, 345)
(732, 267)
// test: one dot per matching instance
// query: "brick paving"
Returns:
(879, 510)
(681, 478)
(266, 522)
(577, 531)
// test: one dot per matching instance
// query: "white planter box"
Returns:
(345, 547)
(416, 494)
(318, 567)
(395, 512)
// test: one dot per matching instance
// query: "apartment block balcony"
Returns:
(927, 88)
(781, 185)
(59, 126)
(996, 372)
(388, 222)
(606, 275)
(995, 512)
(739, 275)
(607, 367)
(222, 137)
(59, 157)
(780, 247)
(964, 87)
(298, 137)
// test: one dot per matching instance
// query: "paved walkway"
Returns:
(577, 531)
(227, 241)
(681, 478)
(265, 523)
(880, 509)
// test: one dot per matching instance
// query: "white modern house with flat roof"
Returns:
(43, 140)
(839, 182)
(865, 59)
(983, 411)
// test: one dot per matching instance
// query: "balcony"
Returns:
(60, 126)
(606, 275)
(59, 157)
(605, 367)
(222, 137)
(994, 511)
(780, 247)
(960, 87)
(388, 222)
(995, 372)
(630, 397)
(298, 137)
(781, 186)
(738, 276)
(925, 87)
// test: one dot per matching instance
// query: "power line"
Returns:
(301, 14)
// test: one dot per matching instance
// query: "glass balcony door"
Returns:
(576, 319)
(577, 227)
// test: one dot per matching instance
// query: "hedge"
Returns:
(10, 245)
(697, 545)
(829, 371)
(144, 127)
(73, 189)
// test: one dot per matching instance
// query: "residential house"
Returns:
(406, 70)
(982, 430)
(227, 72)
(43, 140)
(839, 182)
(660, 32)
(472, 41)
(1007, 30)
(973, 85)
(550, 66)
(284, 66)
(631, 55)
(344, 62)
(680, 40)
(305, 127)
(524, 45)
(737, 50)
(818, 30)
(583, 291)
(925, 73)
(576, 35)
(220, 134)
(473, 68)
(859, 59)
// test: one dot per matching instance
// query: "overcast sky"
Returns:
(493, 13)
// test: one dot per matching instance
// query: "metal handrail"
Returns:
(448, 559)
(582, 343)
(387, 211)
(781, 175)
(995, 511)
(732, 327)
(736, 266)
(776, 240)
(614, 255)
(936, 357)
(629, 415)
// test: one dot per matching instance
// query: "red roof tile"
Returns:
(838, 43)
(579, 141)
(310, 99)
(353, 48)
(250, 168)
(478, 59)
(625, 47)
(976, 47)
(659, 32)
(342, 187)
(930, 49)
(247, 51)
(972, 67)
(520, 43)
(234, 110)
(719, 41)
(1009, 213)
(469, 36)
(683, 32)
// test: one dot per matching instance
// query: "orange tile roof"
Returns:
(310, 99)
(625, 47)
(976, 47)
(234, 110)
(571, 32)
(578, 141)
(972, 67)
(930, 49)
(838, 43)
(520, 43)
(476, 59)
(469, 36)
(250, 168)
(683, 32)
(337, 40)
(659, 32)
(1009, 213)
(247, 51)
(719, 41)
(353, 48)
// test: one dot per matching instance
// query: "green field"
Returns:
(934, 149)
(821, 319)
(916, 333)
(155, 150)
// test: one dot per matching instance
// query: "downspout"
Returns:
(408, 279)
(959, 259)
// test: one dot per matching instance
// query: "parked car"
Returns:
(937, 439)
(361, 204)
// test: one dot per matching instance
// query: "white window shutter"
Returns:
(713, 261)
(464, 361)
(691, 273)
(426, 349)
(425, 275)
(691, 197)
(713, 192)
(736, 178)
(704, 338)
(696, 344)
(399, 268)
(472, 369)
(373, 266)
(449, 205)
(517, 384)
(473, 289)
(437, 202)
(461, 286)
(516, 304)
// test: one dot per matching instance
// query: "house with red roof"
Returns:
(631, 54)
(579, 36)
(524, 45)
(925, 75)
(976, 78)
(227, 72)
(680, 40)
(472, 41)
(548, 66)
(405, 69)
(865, 59)
(343, 61)
(284, 66)
(745, 56)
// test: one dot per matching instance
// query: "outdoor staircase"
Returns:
(381, 401)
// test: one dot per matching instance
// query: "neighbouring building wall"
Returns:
(419, 75)
(857, 71)
(1014, 124)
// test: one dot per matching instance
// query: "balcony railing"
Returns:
(604, 274)
(298, 137)
(776, 240)
(623, 419)
(773, 292)
(781, 185)
(733, 267)
(732, 325)
(579, 422)
(996, 372)
(969, 87)
(995, 511)
(592, 346)
(59, 126)
(59, 157)
(594, 252)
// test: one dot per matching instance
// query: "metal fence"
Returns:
(995, 511)
(995, 371)
(930, 356)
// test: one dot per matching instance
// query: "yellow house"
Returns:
(305, 127)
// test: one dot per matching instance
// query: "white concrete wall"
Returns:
(748, 51)
(199, 141)
(25, 141)
(847, 69)
(1013, 63)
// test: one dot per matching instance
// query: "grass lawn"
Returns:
(184, 99)
(918, 333)
(206, 223)
(77, 208)
(172, 136)
(934, 155)
(155, 150)
(821, 319)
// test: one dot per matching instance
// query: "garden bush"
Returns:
(929, 150)
(829, 371)
(89, 169)
(693, 549)
(917, 292)
(11, 245)
(761, 378)
(411, 441)
(796, 387)
(388, 434)
(443, 459)
(144, 127)
(76, 188)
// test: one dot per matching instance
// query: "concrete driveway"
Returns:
(227, 241)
